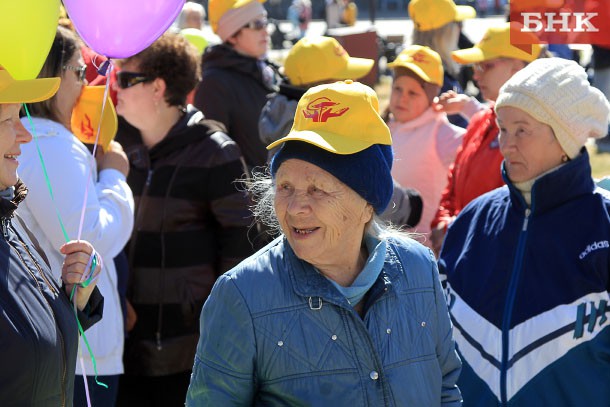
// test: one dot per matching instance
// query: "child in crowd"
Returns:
(425, 143)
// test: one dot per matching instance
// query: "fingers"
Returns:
(74, 246)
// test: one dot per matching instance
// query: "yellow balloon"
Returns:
(27, 30)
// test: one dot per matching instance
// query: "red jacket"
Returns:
(476, 168)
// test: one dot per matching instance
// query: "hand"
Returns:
(131, 318)
(77, 269)
(437, 236)
(113, 157)
(450, 102)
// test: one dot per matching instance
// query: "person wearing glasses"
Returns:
(38, 321)
(475, 169)
(75, 175)
(191, 220)
(237, 77)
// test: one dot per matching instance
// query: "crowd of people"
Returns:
(258, 234)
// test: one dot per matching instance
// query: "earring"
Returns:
(564, 158)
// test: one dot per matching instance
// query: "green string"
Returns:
(44, 171)
(67, 239)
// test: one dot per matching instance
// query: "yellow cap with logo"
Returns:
(496, 44)
(423, 61)
(342, 117)
(87, 115)
(317, 59)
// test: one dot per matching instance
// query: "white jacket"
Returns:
(108, 223)
(424, 148)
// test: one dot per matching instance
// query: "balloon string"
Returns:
(46, 174)
(97, 138)
(66, 238)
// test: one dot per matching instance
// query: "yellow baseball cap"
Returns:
(26, 91)
(342, 117)
(87, 114)
(496, 44)
(423, 61)
(217, 8)
(318, 59)
(432, 14)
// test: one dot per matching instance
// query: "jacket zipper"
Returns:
(5, 226)
(508, 308)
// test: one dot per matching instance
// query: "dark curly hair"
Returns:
(172, 58)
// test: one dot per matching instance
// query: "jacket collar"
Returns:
(307, 282)
(557, 187)
(8, 207)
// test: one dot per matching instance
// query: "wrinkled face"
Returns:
(12, 135)
(490, 75)
(322, 218)
(529, 147)
(408, 99)
(253, 39)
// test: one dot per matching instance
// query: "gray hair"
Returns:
(190, 7)
(261, 188)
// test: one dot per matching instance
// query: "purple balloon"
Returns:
(121, 28)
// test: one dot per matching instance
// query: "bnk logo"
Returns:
(321, 109)
(559, 22)
(602, 244)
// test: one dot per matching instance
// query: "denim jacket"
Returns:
(275, 332)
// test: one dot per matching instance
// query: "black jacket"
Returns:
(233, 91)
(38, 329)
(191, 224)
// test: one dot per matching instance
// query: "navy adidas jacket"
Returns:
(528, 293)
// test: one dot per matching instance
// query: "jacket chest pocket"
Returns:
(404, 326)
(303, 341)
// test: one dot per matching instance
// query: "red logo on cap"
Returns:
(86, 128)
(419, 57)
(320, 110)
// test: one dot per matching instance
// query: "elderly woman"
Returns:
(337, 310)
(528, 264)
(38, 323)
(191, 222)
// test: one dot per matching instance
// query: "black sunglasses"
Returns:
(81, 71)
(257, 25)
(128, 79)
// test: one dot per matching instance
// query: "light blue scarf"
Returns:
(368, 275)
(8, 193)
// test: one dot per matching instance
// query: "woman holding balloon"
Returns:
(38, 323)
(78, 180)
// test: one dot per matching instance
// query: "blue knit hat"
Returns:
(366, 172)
(337, 127)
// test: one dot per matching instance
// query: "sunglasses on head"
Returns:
(81, 71)
(257, 25)
(128, 79)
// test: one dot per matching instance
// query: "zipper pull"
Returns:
(527, 217)
(5, 228)
(148, 177)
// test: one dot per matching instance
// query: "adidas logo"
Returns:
(602, 244)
